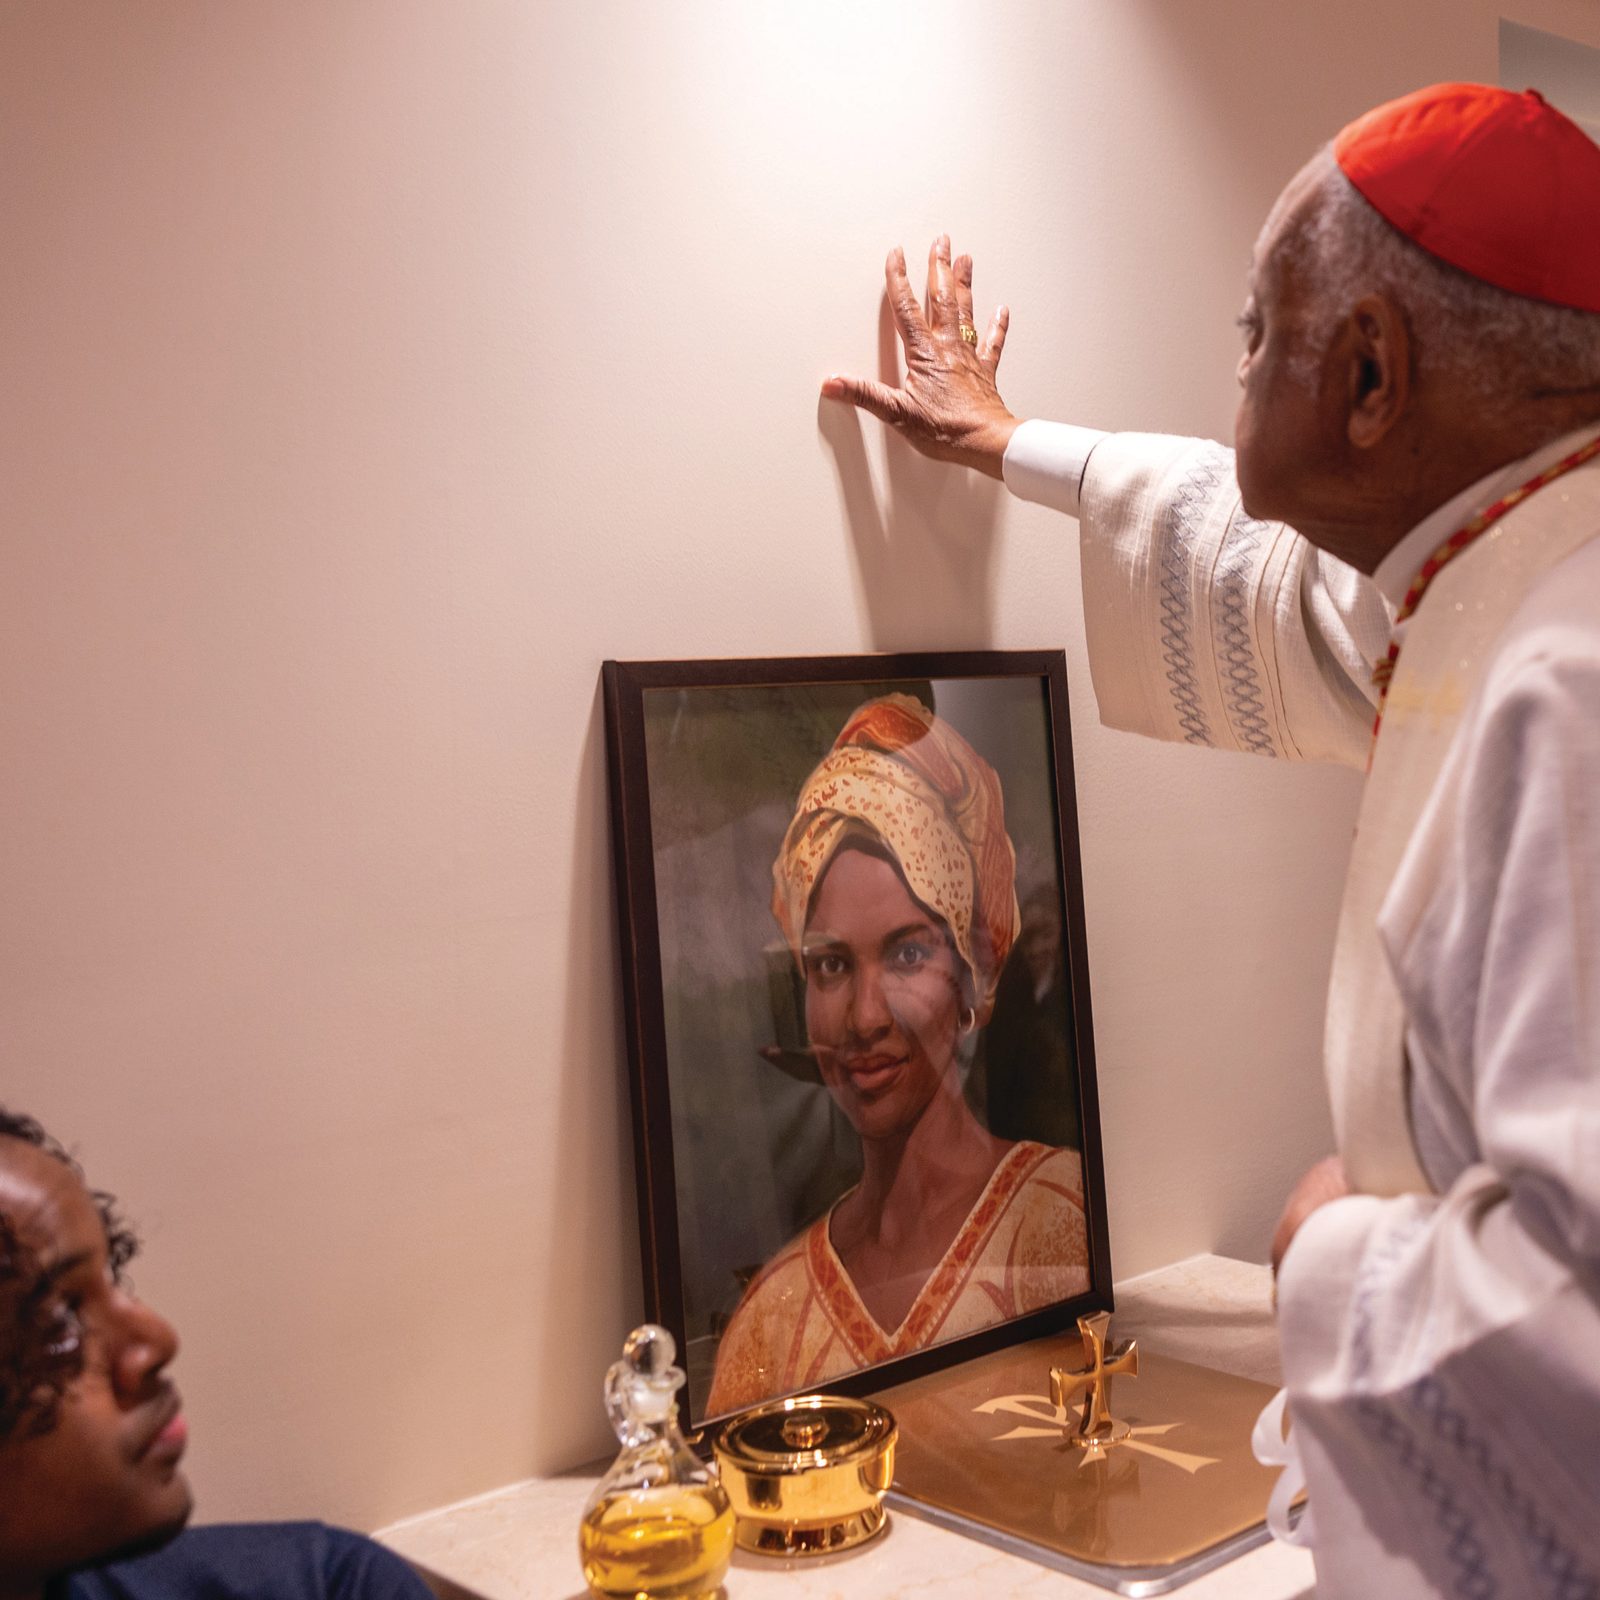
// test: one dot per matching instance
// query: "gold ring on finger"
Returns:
(969, 333)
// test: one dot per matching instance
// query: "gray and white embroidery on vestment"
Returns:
(1443, 1454)
(1371, 1282)
(1203, 475)
(1231, 600)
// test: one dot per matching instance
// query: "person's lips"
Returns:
(870, 1073)
(164, 1435)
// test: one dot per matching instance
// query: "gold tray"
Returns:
(983, 1450)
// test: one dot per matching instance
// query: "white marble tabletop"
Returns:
(521, 1542)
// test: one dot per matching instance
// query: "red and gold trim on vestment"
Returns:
(1467, 534)
(844, 1306)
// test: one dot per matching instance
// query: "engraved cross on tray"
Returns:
(1140, 1503)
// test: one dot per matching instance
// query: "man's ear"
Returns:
(1378, 383)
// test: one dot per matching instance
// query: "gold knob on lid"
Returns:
(802, 1432)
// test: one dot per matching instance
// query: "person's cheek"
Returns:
(823, 1011)
(819, 1016)
(923, 1013)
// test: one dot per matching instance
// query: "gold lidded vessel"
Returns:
(807, 1475)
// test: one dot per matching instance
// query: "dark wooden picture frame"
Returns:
(635, 693)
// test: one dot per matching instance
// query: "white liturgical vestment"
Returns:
(1441, 1329)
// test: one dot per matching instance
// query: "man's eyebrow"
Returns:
(55, 1271)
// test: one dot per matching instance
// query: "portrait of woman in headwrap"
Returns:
(895, 890)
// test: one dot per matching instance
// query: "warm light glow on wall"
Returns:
(796, 102)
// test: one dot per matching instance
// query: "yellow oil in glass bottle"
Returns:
(658, 1526)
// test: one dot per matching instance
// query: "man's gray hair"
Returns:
(1497, 349)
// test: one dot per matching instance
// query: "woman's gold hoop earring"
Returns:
(967, 1020)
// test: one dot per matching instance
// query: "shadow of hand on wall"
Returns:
(926, 554)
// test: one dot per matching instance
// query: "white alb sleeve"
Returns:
(1045, 462)
(1208, 626)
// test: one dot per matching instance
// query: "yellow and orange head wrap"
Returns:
(898, 772)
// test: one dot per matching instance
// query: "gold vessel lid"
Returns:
(806, 1432)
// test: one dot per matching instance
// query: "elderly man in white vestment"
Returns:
(1407, 533)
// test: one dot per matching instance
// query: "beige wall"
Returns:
(369, 372)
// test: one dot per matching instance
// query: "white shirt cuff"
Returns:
(1045, 462)
(1316, 1282)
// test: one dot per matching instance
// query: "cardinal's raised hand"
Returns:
(947, 405)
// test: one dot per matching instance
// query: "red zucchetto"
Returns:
(1498, 184)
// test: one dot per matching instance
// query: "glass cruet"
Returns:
(658, 1526)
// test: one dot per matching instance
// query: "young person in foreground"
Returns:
(93, 1501)
(1398, 568)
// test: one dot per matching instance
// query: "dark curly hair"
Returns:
(41, 1341)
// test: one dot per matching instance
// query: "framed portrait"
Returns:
(858, 1020)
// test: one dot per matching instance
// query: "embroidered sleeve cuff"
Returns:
(1045, 463)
